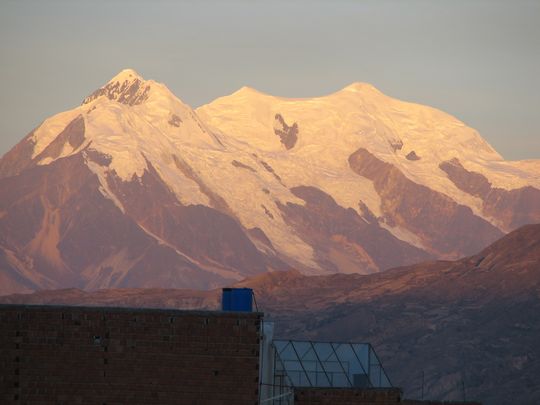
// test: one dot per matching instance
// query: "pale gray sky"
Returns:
(477, 60)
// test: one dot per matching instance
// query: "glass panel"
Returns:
(308, 362)
(351, 365)
(377, 373)
(321, 352)
(325, 364)
(362, 353)
(280, 344)
(287, 352)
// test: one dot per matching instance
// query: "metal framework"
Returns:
(327, 364)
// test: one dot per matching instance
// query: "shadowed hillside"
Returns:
(471, 326)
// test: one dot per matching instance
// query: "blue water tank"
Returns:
(237, 299)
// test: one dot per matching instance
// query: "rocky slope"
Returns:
(470, 326)
(134, 188)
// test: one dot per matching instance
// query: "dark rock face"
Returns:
(472, 183)
(270, 170)
(18, 158)
(443, 225)
(412, 156)
(98, 157)
(287, 134)
(175, 120)
(267, 212)
(396, 144)
(241, 165)
(343, 240)
(513, 208)
(129, 92)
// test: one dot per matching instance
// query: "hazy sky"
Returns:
(478, 60)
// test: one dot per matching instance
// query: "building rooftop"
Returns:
(329, 364)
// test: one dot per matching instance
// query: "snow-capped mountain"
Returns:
(133, 188)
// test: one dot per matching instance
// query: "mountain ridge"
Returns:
(277, 175)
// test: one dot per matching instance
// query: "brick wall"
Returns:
(79, 355)
(346, 396)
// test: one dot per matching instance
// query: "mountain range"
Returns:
(134, 188)
(465, 329)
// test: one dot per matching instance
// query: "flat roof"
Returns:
(165, 311)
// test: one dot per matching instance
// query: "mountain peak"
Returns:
(127, 87)
(360, 87)
(126, 75)
(244, 89)
(247, 91)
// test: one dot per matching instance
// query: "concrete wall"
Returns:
(79, 355)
